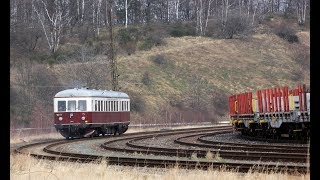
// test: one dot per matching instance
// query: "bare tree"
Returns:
(126, 9)
(85, 70)
(224, 11)
(96, 15)
(53, 16)
(208, 14)
(176, 5)
(199, 15)
(301, 7)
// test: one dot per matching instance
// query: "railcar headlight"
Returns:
(83, 118)
(60, 118)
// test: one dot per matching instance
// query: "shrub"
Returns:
(150, 41)
(137, 103)
(297, 75)
(146, 44)
(179, 30)
(160, 60)
(286, 33)
(146, 79)
(234, 26)
(129, 34)
(269, 17)
(176, 102)
(128, 38)
(301, 55)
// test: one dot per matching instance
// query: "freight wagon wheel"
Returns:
(275, 134)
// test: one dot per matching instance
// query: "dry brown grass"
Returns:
(21, 138)
(25, 167)
(234, 66)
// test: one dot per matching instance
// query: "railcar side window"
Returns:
(82, 105)
(99, 105)
(112, 109)
(128, 106)
(71, 105)
(61, 105)
(122, 106)
(95, 105)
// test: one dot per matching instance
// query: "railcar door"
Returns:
(71, 111)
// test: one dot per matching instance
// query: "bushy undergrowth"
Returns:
(159, 60)
(146, 79)
(286, 33)
(137, 103)
(150, 41)
(179, 30)
(132, 38)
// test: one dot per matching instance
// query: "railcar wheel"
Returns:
(116, 131)
(69, 137)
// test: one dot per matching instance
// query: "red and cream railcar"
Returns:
(84, 112)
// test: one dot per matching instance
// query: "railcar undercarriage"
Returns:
(90, 130)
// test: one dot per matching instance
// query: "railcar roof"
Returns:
(83, 92)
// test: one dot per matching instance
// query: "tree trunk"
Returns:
(126, 9)
(208, 13)
(177, 9)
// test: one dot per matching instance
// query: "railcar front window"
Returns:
(71, 105)
(61, 105)
(82, 105)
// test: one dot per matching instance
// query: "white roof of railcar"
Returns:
(83, 92)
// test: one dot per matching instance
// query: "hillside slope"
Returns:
(188, 79)
(199, 71)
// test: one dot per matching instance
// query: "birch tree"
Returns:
(225, 11)
(126, 10)
(53, 17)
(301, 7)
(199, 17)
(208, 14)
(96, 16)
(203, 8)
(176, 5)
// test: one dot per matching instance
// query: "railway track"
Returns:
(179, 154)
(231, 151)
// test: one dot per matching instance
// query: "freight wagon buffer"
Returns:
(273, 113)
